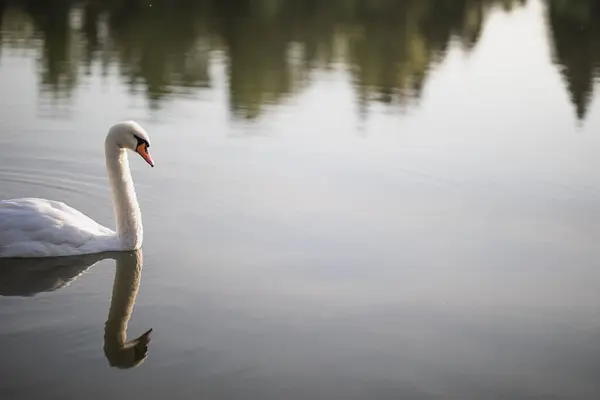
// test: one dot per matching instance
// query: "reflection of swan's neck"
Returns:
(125, 287)
(128, 217)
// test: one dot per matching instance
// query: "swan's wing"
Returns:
(44, 228)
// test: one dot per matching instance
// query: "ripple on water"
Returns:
(78, 181)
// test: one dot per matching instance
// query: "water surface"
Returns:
(352, 199)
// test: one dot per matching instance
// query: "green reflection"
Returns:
(576, 43)
(58, 61)
(3, 5)
(270, 47)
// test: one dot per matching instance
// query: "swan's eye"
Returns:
(141, 141)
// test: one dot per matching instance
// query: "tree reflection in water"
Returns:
(575, 36)
(271, 47)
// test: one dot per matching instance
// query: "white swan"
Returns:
(32, 227)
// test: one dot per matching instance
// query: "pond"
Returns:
(351, 199)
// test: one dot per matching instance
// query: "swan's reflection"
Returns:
(118, 351)
(31, 276)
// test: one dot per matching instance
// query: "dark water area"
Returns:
(352, 199)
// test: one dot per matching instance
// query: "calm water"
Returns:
(352, 199)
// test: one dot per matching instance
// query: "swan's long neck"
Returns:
(128, 217)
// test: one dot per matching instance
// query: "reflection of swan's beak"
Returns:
(146, 336)
(140, 347)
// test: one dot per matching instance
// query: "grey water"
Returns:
(351, 199)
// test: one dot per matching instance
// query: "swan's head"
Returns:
(130, 135)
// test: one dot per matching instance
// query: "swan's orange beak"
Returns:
(142, 150)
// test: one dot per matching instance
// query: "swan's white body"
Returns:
(45, 228)
(32, 227)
